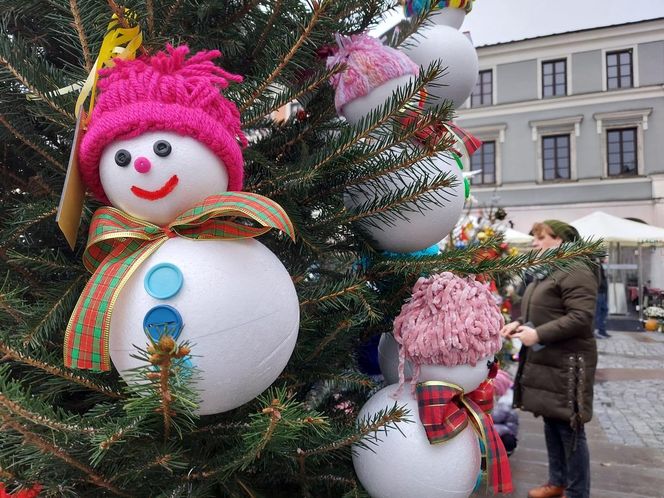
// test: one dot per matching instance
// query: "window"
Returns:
(484, 160)
(294, 107)
(483, 92)
(555, 158)
(619, 72)
(621, 152)
(554, 78)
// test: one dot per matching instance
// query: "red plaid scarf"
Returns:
(445, 410)
(119, 243)
(438, 132)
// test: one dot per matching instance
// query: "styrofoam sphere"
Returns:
(419, 229)
(405, 464)
(239, 309)
(158, 187)
(449, 16)
(467, 377)
(388, 359)
(357, 109)
(459, 61)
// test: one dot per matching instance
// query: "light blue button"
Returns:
(163, 281)
(162, 320)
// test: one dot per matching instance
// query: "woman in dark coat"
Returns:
(557, 363)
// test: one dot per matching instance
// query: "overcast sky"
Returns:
(496, 21)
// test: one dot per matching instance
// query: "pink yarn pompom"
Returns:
(448, 321)
(368, 65)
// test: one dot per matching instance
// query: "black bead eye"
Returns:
(162, 148)
(122, 158)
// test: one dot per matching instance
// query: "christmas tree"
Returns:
(79, 432)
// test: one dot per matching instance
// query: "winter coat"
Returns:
(557, 380)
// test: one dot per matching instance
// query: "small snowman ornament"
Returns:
(163, 148)
(442, 41)
(372, 73)
(449, 332)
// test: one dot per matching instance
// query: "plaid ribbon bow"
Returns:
(438, 132)
(118, 243)
(445, 410)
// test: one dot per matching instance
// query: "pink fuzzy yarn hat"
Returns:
(448, 321)
(165, 92)
(368, 64)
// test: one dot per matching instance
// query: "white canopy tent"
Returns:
(517, 238)
(614, 229)
(619, 231)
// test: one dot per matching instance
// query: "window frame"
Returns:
(555, 138)
(633, 118)
(554, 62)
(489, 133)
(619, 76)
(635, 66)
(571, 126)
(491, 94)
(481, 153)
(568, 76)
(623, 173)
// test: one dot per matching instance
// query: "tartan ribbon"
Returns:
(445, 410)
(438, 132)
(118, 243)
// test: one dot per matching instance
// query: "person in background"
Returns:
(602, 304)
(557, 363)
(505, 418)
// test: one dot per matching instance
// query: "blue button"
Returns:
(163, 281)
(162, 320)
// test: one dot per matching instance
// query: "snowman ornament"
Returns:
(372, 73)
(449, 333)
(442, 41)
(163, 148)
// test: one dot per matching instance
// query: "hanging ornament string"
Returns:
(122, 42)
(118, 244)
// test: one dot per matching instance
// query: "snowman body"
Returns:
(404, 462)
(416, 228)
(239, 312)
(442, 41)
(232, 300)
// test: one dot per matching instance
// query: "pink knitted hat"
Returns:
(448, 321)
(368, 64)
(165, 92)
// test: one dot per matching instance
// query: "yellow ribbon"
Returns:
(118, 42)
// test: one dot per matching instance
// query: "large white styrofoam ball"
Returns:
(459, 61)
(388, 359)
(449, 16)
(174, 176)
(361, 107)
(239, 309)
(467, 377)
(404, 464)
(419, 229)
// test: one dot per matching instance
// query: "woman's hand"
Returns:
(527, 335)
(509, 329)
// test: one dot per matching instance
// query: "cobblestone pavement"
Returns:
(629, 394)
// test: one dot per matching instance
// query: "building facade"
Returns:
(572, 123)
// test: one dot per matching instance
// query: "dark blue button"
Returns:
(162, 320)
(163, 281)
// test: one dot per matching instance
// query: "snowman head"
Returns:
(450, 322)
(368, 64)
(161, 136)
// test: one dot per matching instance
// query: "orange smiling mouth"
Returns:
(153, 195)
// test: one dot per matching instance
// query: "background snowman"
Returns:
(162, 141)
(449, 333)
(371, 74)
